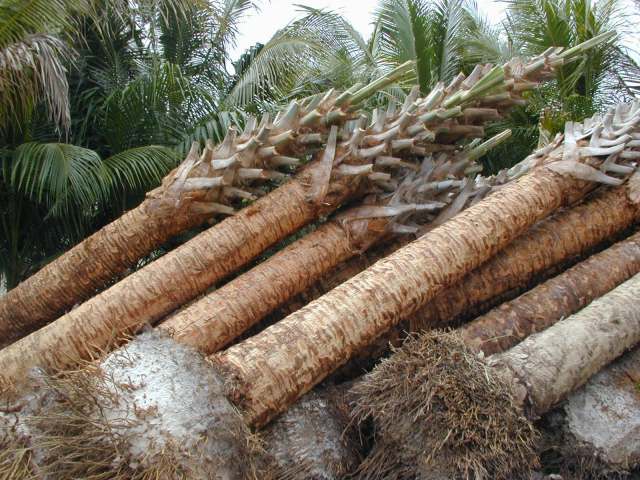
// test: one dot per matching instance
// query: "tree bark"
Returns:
(274, 368)
(147, 295)
(195, 191)
(548, 366)
(559, 297)
(215, 320)
(553, 241)
(172, 280)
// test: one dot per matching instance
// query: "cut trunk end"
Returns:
(313, 439)
(152, 409)
(472, 414)
(599, 424)
(450, 412)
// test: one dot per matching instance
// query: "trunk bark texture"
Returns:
(172, 280)
(276, 367)
(82, 271)
(195, 191)
(567, 234)
(559, 297)
(183, 274)
(215, 320)
(548, 366)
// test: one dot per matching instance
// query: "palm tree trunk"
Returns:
(471, 414)
(218, 318)
(505, 326)
(197, 190)
(546, 367)
(311, 343)
(567, 234)
(146, 296)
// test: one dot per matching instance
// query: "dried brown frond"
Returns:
(439, 409)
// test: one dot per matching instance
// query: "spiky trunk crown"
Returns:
(209, 183)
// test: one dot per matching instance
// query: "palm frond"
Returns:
(139, 169)
(20, 19)
(429, 32)
(296, 53)
(61, 176)
(33, 69)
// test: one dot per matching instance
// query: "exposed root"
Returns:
(311, 440)
(151, 410)
(450, 413)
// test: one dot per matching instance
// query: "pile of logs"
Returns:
(372, 306)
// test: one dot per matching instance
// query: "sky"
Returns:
(275, 14)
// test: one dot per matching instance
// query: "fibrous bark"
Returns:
(218, 318)
(202, 187)
(561, 237)
(461, 431)
(277, 366)
(345, 168)
(557, 298)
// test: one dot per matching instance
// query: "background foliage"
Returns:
(99, 99)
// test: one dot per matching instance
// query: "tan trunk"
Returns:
(532, 312)
(271, 373)
(180, 276)
(170, 281)
(93, 263)
(218, 318)
(553, 241)
(188, 196)
(274, 368)
(548, 366)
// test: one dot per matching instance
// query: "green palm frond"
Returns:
(484, 40)
(296, 53)
(429, 32)
(20, 19)
(61, 176)
(139, 169)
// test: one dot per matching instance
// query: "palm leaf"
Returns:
(139, 169)
(61, 176)
(33, 69)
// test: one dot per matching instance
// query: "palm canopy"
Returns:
(97, 101)
(322, 49)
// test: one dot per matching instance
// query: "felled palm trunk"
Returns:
(218, 318)
(557, 298)
(277, 366)
(267, 373)
(320, 188)
(472, 414)
(556, 240)
(202, 187)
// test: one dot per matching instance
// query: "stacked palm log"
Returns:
(354, 162)
(156, 407)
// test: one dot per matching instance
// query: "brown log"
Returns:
(146, 296)
(270, 372)
(559, 297)
(563, 236)
(192, 193)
